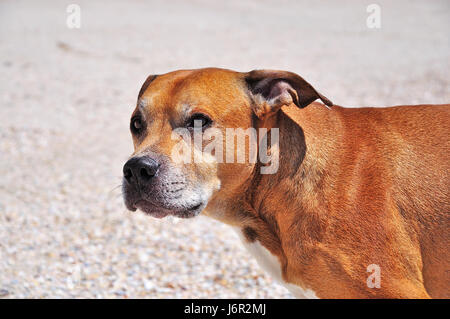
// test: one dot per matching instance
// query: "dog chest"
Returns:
(270, 264)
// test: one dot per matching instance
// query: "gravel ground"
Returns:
(67, 94)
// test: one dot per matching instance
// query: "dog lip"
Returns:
(195, 207)
(156, 211)
(130, 206)
(191, 211)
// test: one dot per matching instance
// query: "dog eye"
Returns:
(199, 120)
(136, 125)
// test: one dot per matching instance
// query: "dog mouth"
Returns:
(160, 212)
(150, 209)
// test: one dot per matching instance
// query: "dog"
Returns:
(357, 206)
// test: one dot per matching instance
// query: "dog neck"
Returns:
(271, 205)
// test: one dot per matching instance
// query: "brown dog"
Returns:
(358, 205)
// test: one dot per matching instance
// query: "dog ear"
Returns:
(147, 82)
(272, 89)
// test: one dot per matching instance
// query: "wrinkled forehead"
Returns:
(217, 91)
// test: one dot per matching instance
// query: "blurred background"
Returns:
(66, 96)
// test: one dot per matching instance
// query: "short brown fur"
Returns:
(356, 186)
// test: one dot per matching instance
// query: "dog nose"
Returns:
(140, 170)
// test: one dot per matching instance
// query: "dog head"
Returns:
(174, 109)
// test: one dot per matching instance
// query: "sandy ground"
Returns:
(65, 100)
